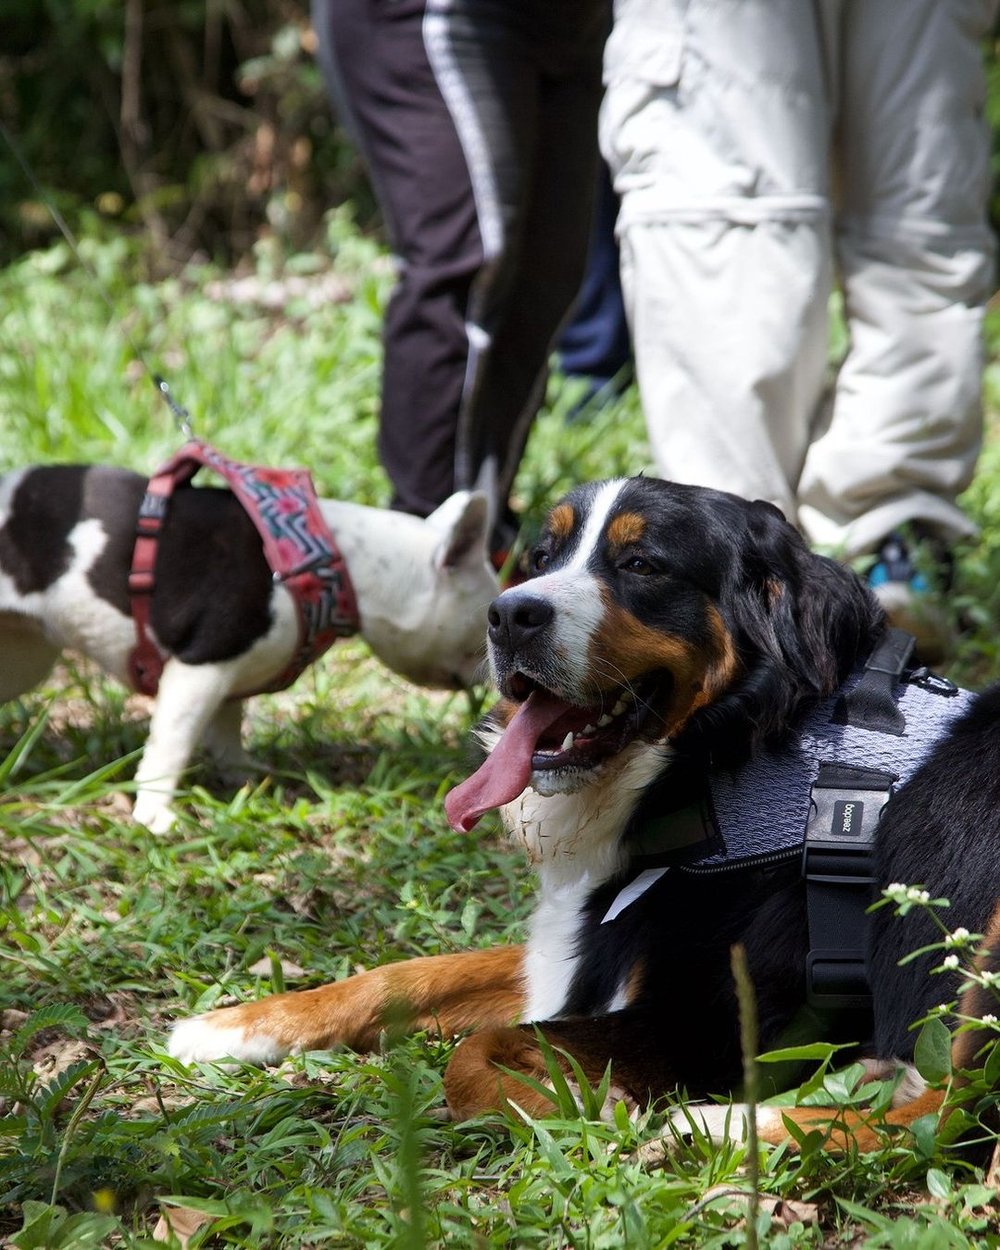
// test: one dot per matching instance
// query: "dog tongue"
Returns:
(507, 769)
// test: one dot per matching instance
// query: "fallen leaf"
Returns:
(784, 1212)
(993, 1172)
(290, 971)
(787, 1211)
(181, 1223)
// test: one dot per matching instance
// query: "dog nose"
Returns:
(515, 618)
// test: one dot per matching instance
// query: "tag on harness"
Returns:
(845, 805)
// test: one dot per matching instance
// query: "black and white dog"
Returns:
(670, 641)
(222, 624)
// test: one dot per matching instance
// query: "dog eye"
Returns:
(539, 560)
(636, 564)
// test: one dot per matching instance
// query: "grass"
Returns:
(334, 856)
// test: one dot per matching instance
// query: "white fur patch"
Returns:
(198, 1041)
(578, 599)
(721, 1122)
(72, 615)
(911, 1083)
(596, 522)
(551, 957)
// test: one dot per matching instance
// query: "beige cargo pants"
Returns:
(765, 150)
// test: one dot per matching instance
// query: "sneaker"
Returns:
(912, 594)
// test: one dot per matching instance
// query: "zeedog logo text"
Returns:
(848, 816)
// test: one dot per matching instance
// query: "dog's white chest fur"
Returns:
(574, 843)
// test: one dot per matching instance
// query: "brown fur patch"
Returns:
(775, 590)
(474, 1082)
(978, 1001)
(505, 710)
(444, 994)
(702, 670)
(626, 528)
(845, 1128)
(633, 986)
(560, 522)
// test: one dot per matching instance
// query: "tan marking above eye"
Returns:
(561, 520)
(626, 528)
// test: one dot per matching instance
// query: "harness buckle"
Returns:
(846, 803)
(152, 511)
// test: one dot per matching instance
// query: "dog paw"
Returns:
(207, 1038)
(157, 816)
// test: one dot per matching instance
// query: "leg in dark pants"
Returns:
(478, 121)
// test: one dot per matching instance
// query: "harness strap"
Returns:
(299, 548)
(145, 663)
(846, 803)
(872, 703)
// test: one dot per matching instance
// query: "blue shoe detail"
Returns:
(894, 565)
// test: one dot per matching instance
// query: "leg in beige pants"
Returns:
(721, 123)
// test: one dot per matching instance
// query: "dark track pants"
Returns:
(477, 119)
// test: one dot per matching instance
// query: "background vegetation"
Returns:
(203, 124)
(264, 312)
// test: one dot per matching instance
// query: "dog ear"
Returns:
(462, 522)
(802, 621)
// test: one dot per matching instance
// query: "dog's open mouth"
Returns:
(547, 738)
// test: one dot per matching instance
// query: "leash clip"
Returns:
(181, 414)
(926, 679)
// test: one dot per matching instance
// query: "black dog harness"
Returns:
(298, 546)
(817, 799)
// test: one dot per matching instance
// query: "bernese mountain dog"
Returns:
(671, 643)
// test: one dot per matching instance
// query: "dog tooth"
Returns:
(605, 720)
(587, 729)
(567, 742)
(619, 707)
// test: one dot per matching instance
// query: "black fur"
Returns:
(213, 585)
(33, 543)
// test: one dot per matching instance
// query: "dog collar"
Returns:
(298, 546)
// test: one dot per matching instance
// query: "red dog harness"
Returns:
(298, 546)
